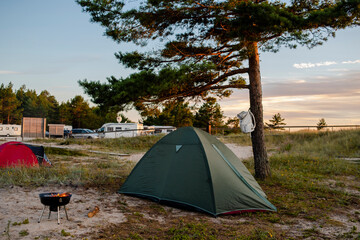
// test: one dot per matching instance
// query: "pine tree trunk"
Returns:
(262, 167)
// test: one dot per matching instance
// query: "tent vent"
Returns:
(178, 147)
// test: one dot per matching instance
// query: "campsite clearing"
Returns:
(317, 196)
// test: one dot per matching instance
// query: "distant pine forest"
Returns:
(77, 112)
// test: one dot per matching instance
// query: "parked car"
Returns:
(83, 133)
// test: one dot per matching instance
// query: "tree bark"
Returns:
(262, 167)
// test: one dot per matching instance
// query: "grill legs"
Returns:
(66, 214)
(42, 212)
(57, 210)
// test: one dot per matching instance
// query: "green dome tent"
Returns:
(189, 167)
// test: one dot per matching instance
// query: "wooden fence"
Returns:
(321, 128)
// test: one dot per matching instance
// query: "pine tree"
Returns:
(276, 122)
(205, 45)
(209, 113)
(10, 113)
(321, 124)
(176, 113)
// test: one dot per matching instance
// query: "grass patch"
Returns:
(64, 233)
(185, 228)
(94, 174)
(192, 231)
(24, 233)
(63, 152)
(122, 144)
(344, 143)
(297, 188)
(135, 144)
(159, 209)
(26, 221)
(311, 232)
(308, 179)
(240, 139)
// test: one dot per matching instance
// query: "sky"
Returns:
(51, 44)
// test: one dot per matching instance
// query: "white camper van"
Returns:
(115, 130)
(163, 129)
(10, 130)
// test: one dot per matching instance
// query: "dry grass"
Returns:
(121, 145)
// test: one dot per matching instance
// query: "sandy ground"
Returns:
(19, 204)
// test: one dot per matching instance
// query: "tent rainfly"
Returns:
(14, 154)
(192, 169)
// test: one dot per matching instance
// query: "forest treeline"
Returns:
(77, 112)
(16, 104)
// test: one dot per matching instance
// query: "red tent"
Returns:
(19, 154)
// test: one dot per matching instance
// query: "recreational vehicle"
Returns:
(163, 129)
(10, 130)
(115, 130)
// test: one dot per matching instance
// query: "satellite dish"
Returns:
(119, 118)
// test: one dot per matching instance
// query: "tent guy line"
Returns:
(78, 149)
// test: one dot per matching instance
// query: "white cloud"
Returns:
(7, 72)
(311, 65)
(321, 64)
(351, 62)
(303, 65)
(300, 81)
(325, 64)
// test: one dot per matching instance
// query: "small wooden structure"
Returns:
(56, 130)
(33, 127)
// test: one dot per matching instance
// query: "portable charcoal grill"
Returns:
(54, 201)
